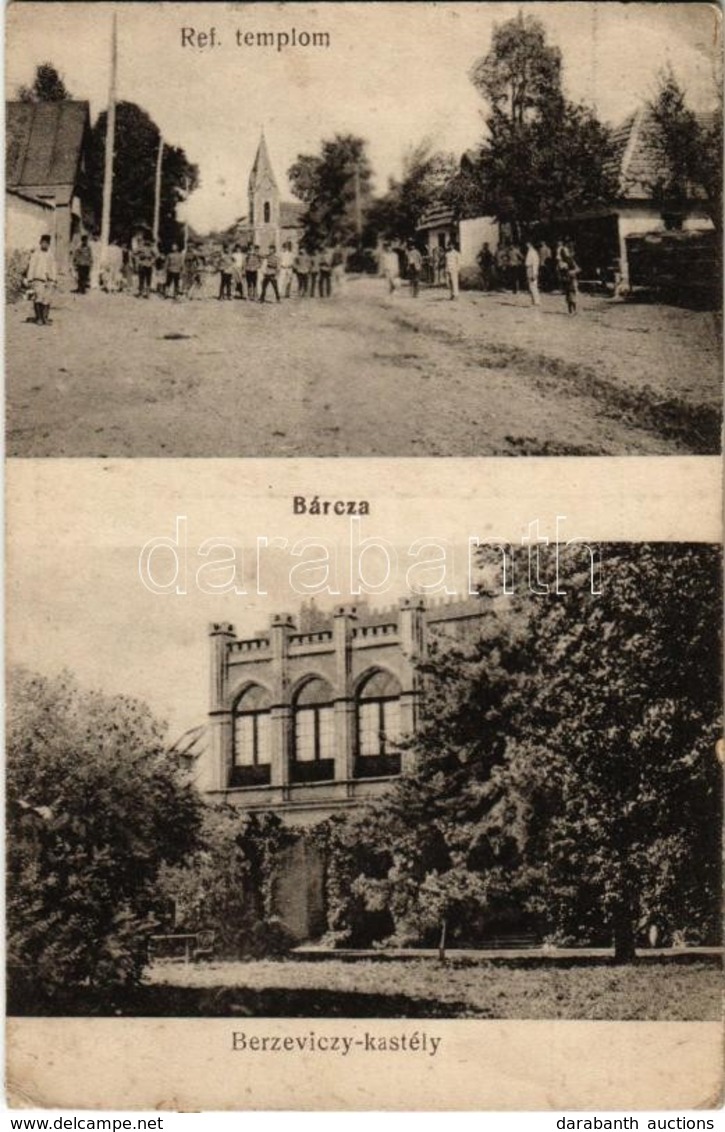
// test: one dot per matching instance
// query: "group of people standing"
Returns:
(408, 261)
(246, 273)
(243, 272)
(533, 266)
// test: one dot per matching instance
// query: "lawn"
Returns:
(648, 991)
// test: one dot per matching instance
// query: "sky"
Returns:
(75, 596)
(394, 73)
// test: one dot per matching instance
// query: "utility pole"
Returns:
(110, 143)
(358, 209)
(157, 190)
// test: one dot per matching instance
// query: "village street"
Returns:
(361, 374)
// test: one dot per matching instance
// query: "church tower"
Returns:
(264, 204)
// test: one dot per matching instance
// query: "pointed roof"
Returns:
(43, 144)
(262, 166)
(635, 160)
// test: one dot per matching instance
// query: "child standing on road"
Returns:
(568, 270)
(41, 277)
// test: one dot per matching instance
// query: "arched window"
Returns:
(267, 212)
(378, 726)
(314, 733)
(252, 748)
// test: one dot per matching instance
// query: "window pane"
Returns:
(327, 733)
(315, 691)
(305, 734)
(244, 740)
(391, 720)
(380, 685)
(369, 723)
(264, 739)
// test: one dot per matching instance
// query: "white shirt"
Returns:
(533, 260)
(42, 266)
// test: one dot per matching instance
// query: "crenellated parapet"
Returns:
(308, 719)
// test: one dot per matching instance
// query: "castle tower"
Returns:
(264, 210)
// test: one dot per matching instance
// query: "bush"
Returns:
(15, 263)
(228, 884)
(95, 806)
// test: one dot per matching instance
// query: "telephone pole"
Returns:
(157, 190)
(358, 208)
(110, 143)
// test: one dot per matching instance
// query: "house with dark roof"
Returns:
(600, 235)
(46, 148)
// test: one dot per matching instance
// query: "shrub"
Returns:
(15, 264)
(95, 806)
(227, 885)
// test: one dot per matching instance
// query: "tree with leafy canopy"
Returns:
(521, 73)
(565, 771)
(440, 865)
(134, 173)
(610, 775)
(687, 153)
(47, 86)
(95, 806)
(543, 157)
(336, 187)
(426, 173)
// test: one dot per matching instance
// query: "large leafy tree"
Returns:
(543, 157)
(135, 155)
(47, 86)
(435, 857)
(521, 72)
(687, 151)
(565, 769)
(611, 775)
(426, 172)
(336, 186)
(95, 807)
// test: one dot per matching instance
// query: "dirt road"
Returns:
(361, 374)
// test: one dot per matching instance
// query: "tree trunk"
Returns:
(442, 941)
(624, 950)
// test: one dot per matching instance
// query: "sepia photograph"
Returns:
(352, 765)
(378, 230)
(390, 767)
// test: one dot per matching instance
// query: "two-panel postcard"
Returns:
(364, 574)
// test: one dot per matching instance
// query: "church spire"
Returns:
(262, 174)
